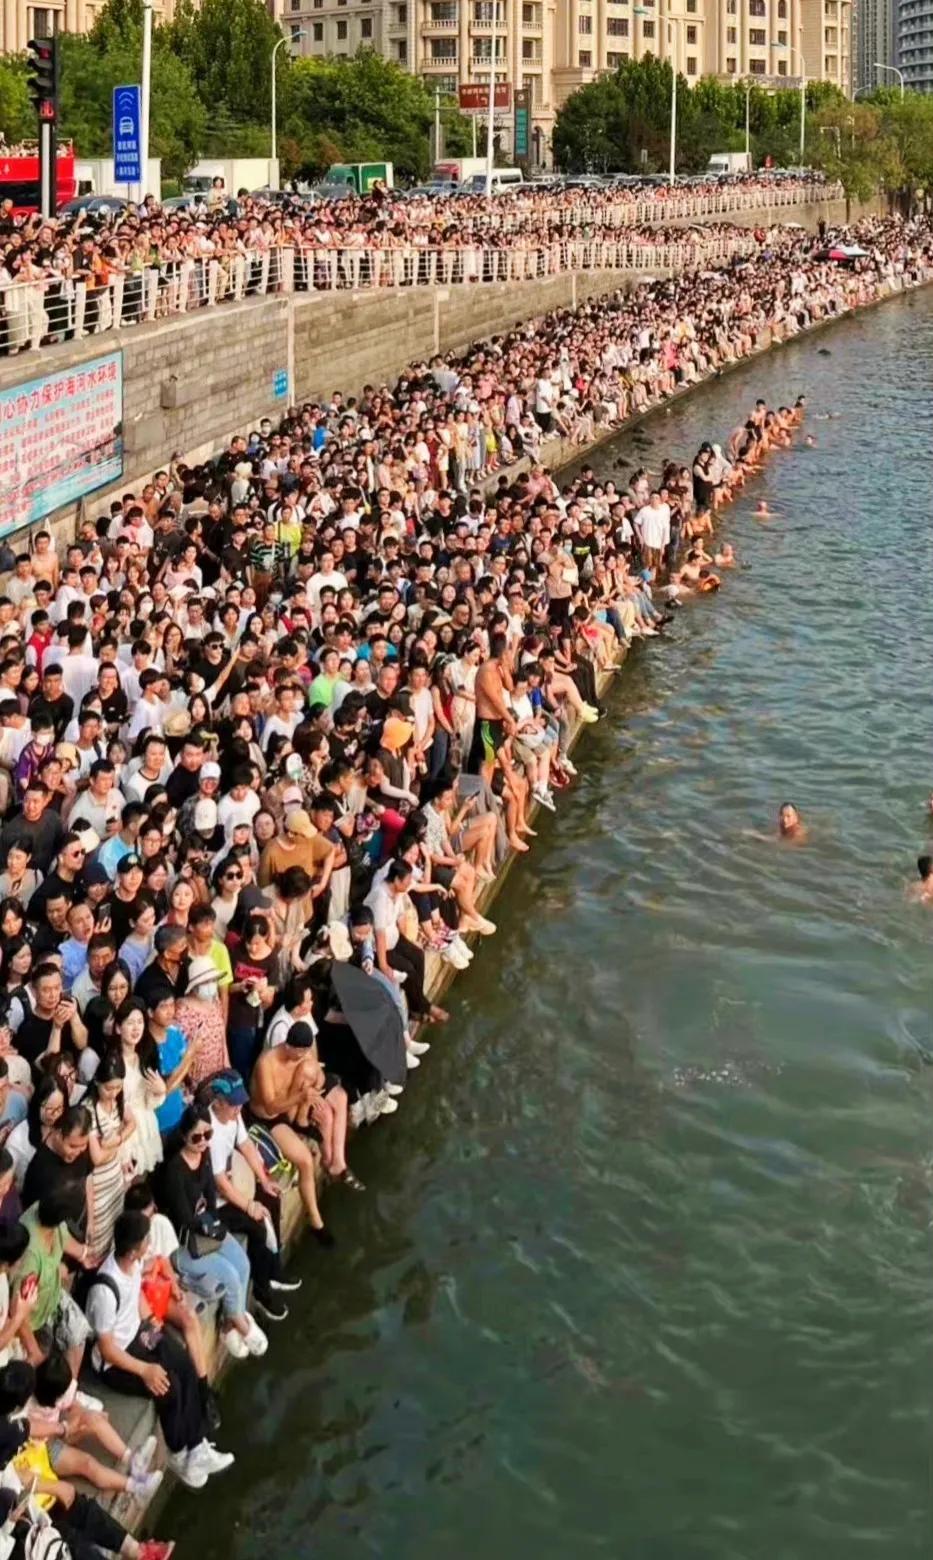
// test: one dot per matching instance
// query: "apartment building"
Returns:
(20, 20)
(552, 47)
(915, 43)
(874, 27)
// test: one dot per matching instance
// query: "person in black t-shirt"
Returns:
(54, 1024)
(38, 824)
(53, 700)
(62, 1165)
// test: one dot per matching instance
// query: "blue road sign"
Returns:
(127, 138)
(280, 383)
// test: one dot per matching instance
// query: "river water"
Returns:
(644, 1267)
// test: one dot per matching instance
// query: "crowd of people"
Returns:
(43, 261)
(268, 729)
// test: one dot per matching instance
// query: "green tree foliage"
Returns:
(622, 122)
(227, 46)
(17, 115)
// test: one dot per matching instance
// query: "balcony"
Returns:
(448, 24)
(533, 59)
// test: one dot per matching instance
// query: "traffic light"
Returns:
(42, 74)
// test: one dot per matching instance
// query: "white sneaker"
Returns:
(141, 1460)
(454, 957)
(206, 1457)
(256, 1341)
(235, 1344)
(461, 946)
(95, 1406)
(187, 1469)
(394, 1088)
(411, 1061)
(357, 1113)
(145, 1488)
(419, 1047)
(569, 768)
(545, 799)
(389, 1106)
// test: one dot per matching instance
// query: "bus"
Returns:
(19, 177)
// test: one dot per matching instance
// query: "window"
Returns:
(341, 29)
(443, 48)
(586, 59)
(317, 32)
(782, 10)
(296, 5)
(756, 7)
(318, 4)
(730, 35)
(691, 5)
(691, 35)
(615, 60)
(691, 65)
(757, 67)
(829, 37)
(782, 38)
(366, 27)
(647, 29)
(296, 33)
(401, 52)
(617, 26)
(782, 67)
(756, 36)
(730, 65)
(401, 18)
(586, 24)
(444, 11)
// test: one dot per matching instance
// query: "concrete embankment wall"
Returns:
(192, 381)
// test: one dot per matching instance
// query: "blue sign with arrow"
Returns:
(127, 136)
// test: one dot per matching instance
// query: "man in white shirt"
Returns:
(653, 525)
(151, 710)
(79, 671)
(326, 574)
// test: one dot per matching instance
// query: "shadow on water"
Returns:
(644, 1265)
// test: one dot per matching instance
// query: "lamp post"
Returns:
(490, 126)
(803, 93)
(748, 134)
(880, 65)
(672, 21)
(274, 154)
(145, 92)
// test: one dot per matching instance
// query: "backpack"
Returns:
(87, 1281)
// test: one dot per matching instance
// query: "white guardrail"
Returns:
(55, 309)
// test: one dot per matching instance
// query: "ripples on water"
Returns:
(645, 1266)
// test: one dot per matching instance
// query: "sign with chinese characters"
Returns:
(521, 147)
(280, 383)
(474, 97)
(127, 137)
(61, 437)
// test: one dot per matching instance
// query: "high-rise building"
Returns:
(552, 47)
(21, 20)
(875, 40)
(915, 43)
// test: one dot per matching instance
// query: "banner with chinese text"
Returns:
(61, 436)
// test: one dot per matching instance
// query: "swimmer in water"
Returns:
(810, 442)
(762, 512)
(922, 892)
(790, 827)
(725, 558)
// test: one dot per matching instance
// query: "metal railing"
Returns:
(52, 309)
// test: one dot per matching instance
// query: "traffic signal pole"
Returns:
(42, 74)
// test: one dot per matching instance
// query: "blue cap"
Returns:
(229, 1086)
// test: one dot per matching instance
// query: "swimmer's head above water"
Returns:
(789, 822)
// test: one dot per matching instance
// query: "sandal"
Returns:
(351, 1180)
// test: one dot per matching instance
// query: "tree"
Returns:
(109, 56)
(227, 46)
(17, 115)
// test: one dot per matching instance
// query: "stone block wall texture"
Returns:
(193, 381)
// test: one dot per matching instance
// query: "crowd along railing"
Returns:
(56, 309)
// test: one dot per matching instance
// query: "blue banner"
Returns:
(127, 138)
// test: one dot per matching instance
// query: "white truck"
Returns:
(729, 162)
(238, 173)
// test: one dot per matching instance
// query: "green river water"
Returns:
(644, 1268)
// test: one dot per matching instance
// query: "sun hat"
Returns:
(298, 822)
(201, 971)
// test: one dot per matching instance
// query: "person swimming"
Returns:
(725, 558)
(790, 826)
(922, 892)
(762, 512)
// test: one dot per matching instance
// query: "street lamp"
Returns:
(880, 65)
(672, 23)
(293, 38)
(803, 93)
(748, 136)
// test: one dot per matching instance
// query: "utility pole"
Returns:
(437, 125)
(145, 90)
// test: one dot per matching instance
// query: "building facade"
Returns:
(552, 47)
(874, 41)
(915, 43)
(21, 20)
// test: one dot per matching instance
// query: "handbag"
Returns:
(205, 1236)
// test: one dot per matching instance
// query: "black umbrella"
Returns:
(374, 1019)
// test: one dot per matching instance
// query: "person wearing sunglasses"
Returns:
(209, 1260)
(228, 880)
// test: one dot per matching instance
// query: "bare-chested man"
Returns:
(922, 893)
